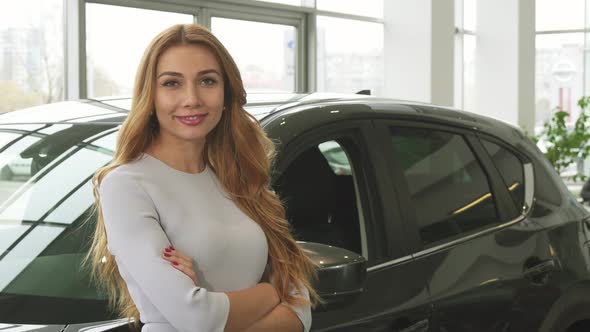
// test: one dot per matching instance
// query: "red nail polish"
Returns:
(168, 249)
(166, 255)
(171, 247)
(174, 263)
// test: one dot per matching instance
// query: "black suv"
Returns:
(421, 218)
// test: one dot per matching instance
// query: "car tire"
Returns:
(582, 326)
(571, 308)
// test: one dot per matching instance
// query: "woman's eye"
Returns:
(170, 83)
(208, 81)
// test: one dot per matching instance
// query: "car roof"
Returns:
(115, 109)
(260, 105)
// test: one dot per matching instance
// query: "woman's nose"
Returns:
(192, 98)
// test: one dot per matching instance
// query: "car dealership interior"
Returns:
(428, 159)
(518, 61)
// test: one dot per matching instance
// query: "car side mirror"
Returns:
(341, 274)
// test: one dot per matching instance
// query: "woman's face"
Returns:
(189, 93)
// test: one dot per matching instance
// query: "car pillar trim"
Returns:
(389, 263)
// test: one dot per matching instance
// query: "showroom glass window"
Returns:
(265, 53)
(448, 188)
(115, 44)
(348, 67)
(465, 47)
(372, 8)
(560, 52)
(31, 53)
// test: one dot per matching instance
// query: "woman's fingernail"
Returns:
(174, 263)
(167, 255)
(171, 247)
(168, 249)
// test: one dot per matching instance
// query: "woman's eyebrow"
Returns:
(202, 72)
(207, 71)
(171, 73)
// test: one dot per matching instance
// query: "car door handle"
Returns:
(421, 326)
(543, 267)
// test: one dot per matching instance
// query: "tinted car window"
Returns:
(46, 196)
(511, 170)
(447, 185)
(319, 194)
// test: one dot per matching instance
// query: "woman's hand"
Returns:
(181, 262)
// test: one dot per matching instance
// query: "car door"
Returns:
(331, 183)
(460, 211)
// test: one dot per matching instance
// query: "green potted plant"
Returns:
(566, 146)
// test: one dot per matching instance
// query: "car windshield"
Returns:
(45, 197)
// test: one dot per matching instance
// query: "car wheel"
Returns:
(580, 326)
(569, 319)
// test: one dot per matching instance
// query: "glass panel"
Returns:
(115, 44)
(15, 163)
(559, 15)
(469, 95)
(264, 52)
(42, 235)
(336, 157)
(469, 14)
(511, 170)
(372, 8)
(558, 76)
(24, 253)
(318, 188)
(64, 111)
(449, 189)
(458, 14)
(31, 53)
(346, 67)
(587, 55)
(36, 200)
(458, 72)
(285, 2)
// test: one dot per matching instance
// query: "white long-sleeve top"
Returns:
(147, 206)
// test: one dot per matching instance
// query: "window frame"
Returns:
(501, 195)
(296, 21)
(203, 11)
(305, 75)
(364, 171)
(523, 159)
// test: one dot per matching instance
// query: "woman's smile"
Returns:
(191, 120)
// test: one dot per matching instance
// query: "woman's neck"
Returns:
(183, 157)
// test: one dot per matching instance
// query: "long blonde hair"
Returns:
(237, 150)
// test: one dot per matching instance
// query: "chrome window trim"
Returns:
(468, 237)
(390, 263)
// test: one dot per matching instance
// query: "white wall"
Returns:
(419, 37)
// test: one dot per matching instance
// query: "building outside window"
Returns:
(31, 53)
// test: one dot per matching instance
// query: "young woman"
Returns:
(189, 235)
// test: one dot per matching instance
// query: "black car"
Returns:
(421, 218)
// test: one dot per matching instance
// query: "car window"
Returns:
(320, 196)
(336, 157)
(45, 197)
(450, 192)
(511, 169)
